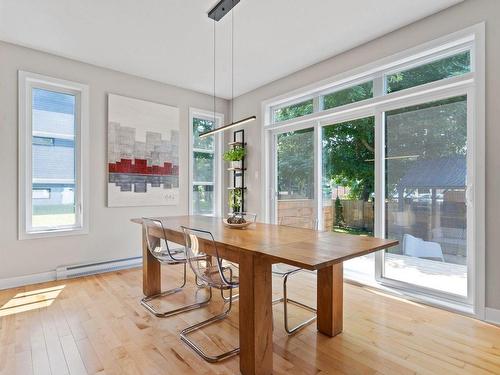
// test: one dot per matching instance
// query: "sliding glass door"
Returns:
(394, 152)
(294, 184)
(348, 184)
(425, 189)
(330, 176)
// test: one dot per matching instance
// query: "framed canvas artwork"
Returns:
(143, 153)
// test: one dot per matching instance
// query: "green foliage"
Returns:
(294, 110)
(348, 95)
(434, 71)
(348, 154)
(355, 231)
(201, 126)
(339, 214)
(203, 167)
(235, 198)
(235, 154)
(430, 131)
(204, 201)
(296, 163)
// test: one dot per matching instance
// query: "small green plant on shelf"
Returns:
(235, 197)
(235, 154)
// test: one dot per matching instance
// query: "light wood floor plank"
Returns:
(95, 325)
(52, 341)
(72, 355)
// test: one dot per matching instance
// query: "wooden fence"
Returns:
(357, 214)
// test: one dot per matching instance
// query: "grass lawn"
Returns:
(355, 231)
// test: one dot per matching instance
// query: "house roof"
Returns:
(444, 173)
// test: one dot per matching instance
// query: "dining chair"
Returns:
(249, 217)
(305, 222)
(285, 271)
(161, 250)
(220, 275)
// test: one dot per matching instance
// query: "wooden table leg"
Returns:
(330, 300)
(256, 316)
(151, 271)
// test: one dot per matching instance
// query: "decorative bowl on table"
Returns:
(236, 221)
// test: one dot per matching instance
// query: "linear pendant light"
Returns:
(228, 126)
(216, 13)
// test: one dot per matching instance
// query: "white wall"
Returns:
(446, 22)
(111, 236)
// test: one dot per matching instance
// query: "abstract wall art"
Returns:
(143, 153)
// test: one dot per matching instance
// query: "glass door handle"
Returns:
(469, 194)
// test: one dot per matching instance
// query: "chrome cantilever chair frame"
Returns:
(169, 259)
(286, 300)
(285, 274)
(222, 284)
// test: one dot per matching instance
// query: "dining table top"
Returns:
(304, 248)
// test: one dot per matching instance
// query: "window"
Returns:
(53, 157)
(393, 77)
(348, 95)
(426, 173)
(434, 71)
(205, 193)
(348, 152)
(293, 111)
(374, 158)
(295, 155)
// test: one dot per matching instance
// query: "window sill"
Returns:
(77, 231)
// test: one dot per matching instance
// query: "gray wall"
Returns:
(453, 19)
(111, 236)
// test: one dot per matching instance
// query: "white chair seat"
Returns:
(417, 247)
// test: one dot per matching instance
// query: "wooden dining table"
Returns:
(255, 249)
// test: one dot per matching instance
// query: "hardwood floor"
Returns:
(95, 325)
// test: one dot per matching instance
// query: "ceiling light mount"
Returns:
(222, 8)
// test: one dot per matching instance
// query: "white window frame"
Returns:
(471, 84)
(27, 82)
(218, 166)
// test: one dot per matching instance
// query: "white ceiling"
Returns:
(171, 41)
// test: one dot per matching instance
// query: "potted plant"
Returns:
(235, 156)
(235, 196)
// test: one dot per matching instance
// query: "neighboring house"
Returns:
(53, 152)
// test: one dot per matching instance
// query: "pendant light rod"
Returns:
(225, 127)
(222, 8)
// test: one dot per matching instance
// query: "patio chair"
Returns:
(417, 247)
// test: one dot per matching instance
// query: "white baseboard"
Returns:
(70, 271)
(14, 282)
(492, 315)
(78, 270)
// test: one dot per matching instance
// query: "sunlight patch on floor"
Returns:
(400, 299)
(34, 299)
